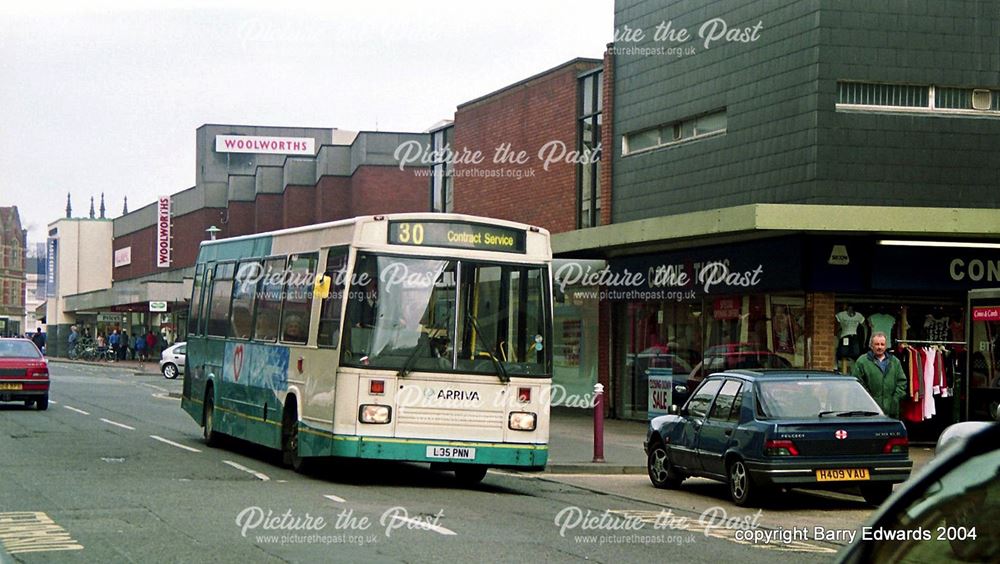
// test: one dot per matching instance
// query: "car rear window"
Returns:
(19, 349)
(794, 399)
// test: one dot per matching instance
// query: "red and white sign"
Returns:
(986, 313)
(268, 145)
(840, 434)
(163, 232)
(123, 257)
(727, 308)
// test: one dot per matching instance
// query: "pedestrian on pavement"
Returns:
(39, 339)
(140, 348)
(115, 341)
(74, 337)
(882, 375)
(123, 346)
(150, 342)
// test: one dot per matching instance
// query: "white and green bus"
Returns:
(411, 337)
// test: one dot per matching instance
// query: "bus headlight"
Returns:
(375, 414)
(521, 421)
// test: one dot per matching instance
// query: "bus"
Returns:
(412, 337)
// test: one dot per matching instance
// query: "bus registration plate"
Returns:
(451, 453)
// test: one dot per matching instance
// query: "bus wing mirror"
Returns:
(321, 289)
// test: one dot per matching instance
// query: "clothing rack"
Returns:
(913, 342)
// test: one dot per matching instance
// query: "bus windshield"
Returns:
(447, 315)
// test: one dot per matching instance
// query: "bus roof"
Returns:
(258, 241)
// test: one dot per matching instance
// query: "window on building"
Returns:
(442, 192)
(589, 143)
(680, 131)
(916, 98)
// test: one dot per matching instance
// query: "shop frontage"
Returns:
(798, 301)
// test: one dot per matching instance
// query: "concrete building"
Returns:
(34, 291)
(249, 179)
(78, 263)
(774, 163)
(12, 276)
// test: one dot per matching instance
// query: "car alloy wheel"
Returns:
(658, 466)
(169, 371)
(740, 485)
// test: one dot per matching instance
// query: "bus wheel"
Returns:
(290, 443)
(470, 474)
(212, 438)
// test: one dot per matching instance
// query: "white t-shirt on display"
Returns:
(849, 323)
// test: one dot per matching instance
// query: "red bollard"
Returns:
(598, 422)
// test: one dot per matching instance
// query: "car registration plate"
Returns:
(10, 386)
(451, 453)
(842, 475)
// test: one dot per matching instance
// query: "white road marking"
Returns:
(53, 402)
(76, 410)
(172, 443)
(258, 475)
(335, 498)
(157, 388)
(115, 423)
(424, 525)
(165, 397)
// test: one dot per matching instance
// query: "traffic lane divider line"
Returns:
(117, 424)
(172, 443)
(76, 410)
(335, 498)
(424, 525)
(254, 473)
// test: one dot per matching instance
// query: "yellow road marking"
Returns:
(33, 531)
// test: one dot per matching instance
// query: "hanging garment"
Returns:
(928, 391)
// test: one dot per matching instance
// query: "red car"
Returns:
(24, 373)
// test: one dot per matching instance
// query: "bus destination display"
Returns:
(457, 235)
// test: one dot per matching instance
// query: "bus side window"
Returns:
(269, 301)
(222, 289)
(244, 295)
(329, 316)
(297, 308)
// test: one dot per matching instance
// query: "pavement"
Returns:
(571, 435)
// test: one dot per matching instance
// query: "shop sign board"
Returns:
(163, 232)
(661, 391)
(51, 260)
(108, 317)
(123, 257)
(935, 268)
(755, 266)
(986, 313)
(157, 306)
(265, 145)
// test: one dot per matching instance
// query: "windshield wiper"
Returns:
(501, 372)
(410, 360)
(858, 413)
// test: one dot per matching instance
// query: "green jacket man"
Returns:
(882, 375)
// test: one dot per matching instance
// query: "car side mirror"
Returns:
(673, 409)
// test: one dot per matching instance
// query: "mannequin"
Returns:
(882, 322)
(848, 341)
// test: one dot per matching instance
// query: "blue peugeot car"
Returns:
(763, 430)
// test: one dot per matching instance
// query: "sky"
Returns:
(106, 96)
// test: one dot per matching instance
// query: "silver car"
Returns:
(172, 360)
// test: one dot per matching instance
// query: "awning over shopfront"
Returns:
(125, 295)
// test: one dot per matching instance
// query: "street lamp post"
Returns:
(212, 231)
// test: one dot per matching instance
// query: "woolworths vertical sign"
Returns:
(163, 232)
